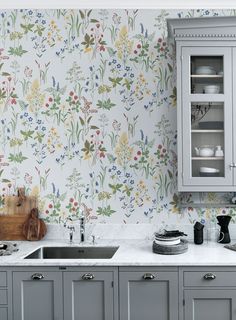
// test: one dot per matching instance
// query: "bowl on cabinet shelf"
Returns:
(208, 172)
(205, 70)
(205, 151)
(211, 89)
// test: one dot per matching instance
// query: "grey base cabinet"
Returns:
(210, 304)
(208, 293)
(150, 294)
(37, 295)
(89, 295)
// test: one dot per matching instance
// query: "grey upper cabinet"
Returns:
(148, 294)
(37, 295)
(206, 119)
(89, 295)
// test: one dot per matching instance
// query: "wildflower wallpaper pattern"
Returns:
(88, 113)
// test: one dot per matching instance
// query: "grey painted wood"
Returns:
(3, 296)
(234, 111)
(3, 313)
(88, 299)
(187, 179)
(222, 278)
(37, 299)
(210, 304)
(3, 279)
(155, 299)
(210, 27)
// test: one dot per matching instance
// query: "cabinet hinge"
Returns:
(112, 284)
(183, 302)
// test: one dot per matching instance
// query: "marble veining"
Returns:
(130, 253)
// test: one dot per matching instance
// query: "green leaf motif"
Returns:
(107, 104)
(17, 158)
(107, 211)
(18, 51)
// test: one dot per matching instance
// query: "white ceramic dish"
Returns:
(205, 151)
(205, 70)
(167, 243)
(211, 89)
(208, 170)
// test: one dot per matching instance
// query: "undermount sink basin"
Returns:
(73, 253)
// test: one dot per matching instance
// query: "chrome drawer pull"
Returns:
(209, 276)
(37, 276)
(88, 276)
(148, 276)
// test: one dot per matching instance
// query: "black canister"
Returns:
(198, 233)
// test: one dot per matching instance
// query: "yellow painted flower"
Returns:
(35, 97)
(123, 44)
(123, 151)
(89, 49)
(35, 192)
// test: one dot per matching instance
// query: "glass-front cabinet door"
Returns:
(207, 116)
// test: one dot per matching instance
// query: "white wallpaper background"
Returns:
(88, 114)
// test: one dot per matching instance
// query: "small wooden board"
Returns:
(11, 227)
(171, 250)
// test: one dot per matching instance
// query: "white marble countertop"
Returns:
(130, 253)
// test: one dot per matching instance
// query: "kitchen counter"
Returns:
(130, 253)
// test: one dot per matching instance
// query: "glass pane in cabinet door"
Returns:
(207, 75)
(207, 139)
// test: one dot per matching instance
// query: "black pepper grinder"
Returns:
(198, 233)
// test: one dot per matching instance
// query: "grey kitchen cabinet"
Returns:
(208, 293)
(90, 294)
(5, 298)
(37, 295)
(206, 119)
(210, 304)
(148, 293)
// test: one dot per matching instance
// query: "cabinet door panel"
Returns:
(206, 118)
(155, 299)
(37, 299)
(210, 304)
(88, 299)
(3, 314)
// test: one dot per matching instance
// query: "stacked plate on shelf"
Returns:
(205, 70)
(169, 242)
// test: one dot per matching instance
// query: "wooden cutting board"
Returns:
(11, 227)
(16, 211)
(34, 228)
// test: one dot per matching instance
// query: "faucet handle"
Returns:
(93, 239)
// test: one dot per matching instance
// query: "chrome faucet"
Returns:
(82, 229)
(71, 229)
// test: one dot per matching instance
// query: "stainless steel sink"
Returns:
(73, 253)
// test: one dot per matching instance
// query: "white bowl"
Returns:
(211, 89)
(202, 70)
(209, 170)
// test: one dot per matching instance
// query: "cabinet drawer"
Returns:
(209, 278)
(3, 297)
(3, 279)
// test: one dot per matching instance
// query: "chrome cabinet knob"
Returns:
(37, 276)
(209, 276)
(88, 276)
(149, 276)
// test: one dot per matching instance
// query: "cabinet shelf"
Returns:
(216, 76)
(207, 131)
(207, 158)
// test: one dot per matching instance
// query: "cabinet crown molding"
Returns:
(204, 28)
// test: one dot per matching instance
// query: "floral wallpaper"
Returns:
(88, 114)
